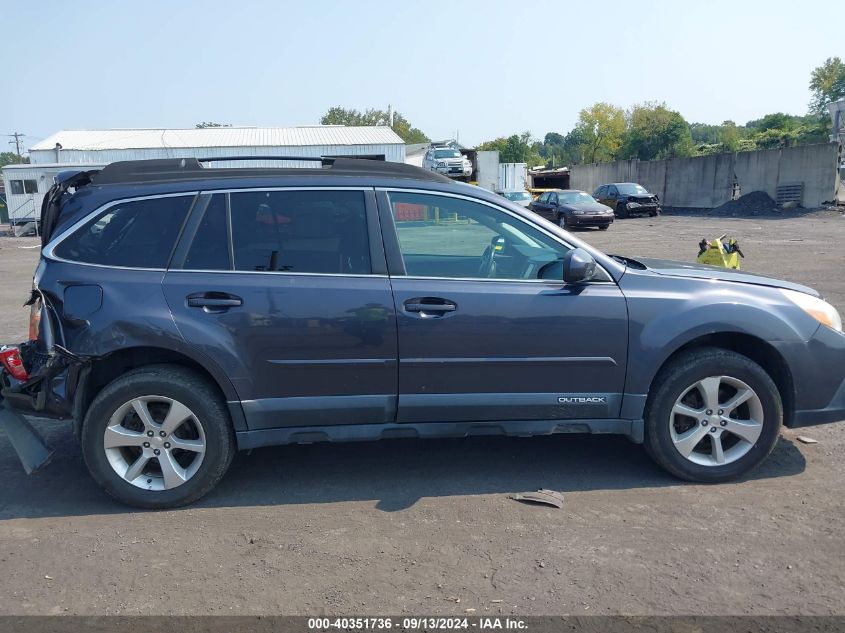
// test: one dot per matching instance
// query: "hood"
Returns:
(590, 207)
(701, 271)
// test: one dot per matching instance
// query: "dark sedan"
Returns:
(571, 208)
(628, 199)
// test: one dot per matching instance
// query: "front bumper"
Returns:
(818, 374)
(590, 220)
(453, 172)
(833, 412)
(636, 207)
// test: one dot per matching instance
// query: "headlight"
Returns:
(817, 308)
(440, 163)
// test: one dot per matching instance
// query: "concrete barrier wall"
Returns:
(708, 181)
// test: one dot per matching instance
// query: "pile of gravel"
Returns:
(754, 203)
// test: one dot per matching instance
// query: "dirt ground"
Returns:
(427, 527)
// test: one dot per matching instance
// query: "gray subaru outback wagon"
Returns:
(181, 312)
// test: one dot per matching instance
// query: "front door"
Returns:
(487, 328)
(286, 290)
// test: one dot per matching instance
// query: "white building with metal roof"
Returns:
(74, 149)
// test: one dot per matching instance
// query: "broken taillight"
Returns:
(11, 359)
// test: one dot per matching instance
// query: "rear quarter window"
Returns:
(135, 234)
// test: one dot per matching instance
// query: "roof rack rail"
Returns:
(189, 168)
(323, 160)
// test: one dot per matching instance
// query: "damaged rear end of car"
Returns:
(39, 376)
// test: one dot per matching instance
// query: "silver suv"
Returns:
(447, 161)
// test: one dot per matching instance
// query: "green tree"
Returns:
(655, 131)
(827, 84)
(560, 150)
(600, 128)
(207, 124)
(704, 133)
(10, 158)
(517, 148)
(372, 116)
(729, 136)
(774, 121)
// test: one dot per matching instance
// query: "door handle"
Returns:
(429, 305)
(213, 300)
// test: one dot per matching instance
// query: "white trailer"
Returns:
(27, 184)
(487, 169)
(513, 176)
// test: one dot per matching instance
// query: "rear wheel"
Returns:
(158, 437)
(713, 416)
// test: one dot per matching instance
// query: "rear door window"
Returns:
(300, 232)
(134, 234)
(210, 247)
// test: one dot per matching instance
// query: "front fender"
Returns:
(667, 313)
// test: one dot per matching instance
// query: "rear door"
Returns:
(612, 196)
(487, 328)
(286, 290)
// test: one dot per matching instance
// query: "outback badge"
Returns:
(582, 400)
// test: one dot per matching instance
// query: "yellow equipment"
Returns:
(720, 253)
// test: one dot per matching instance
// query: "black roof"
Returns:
(186, 169)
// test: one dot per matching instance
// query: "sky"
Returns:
(478, 70)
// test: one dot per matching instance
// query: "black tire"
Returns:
(653, 214)
(168, 381)
(675, 378)
(562, 222)
(622, 211)
(603, 227)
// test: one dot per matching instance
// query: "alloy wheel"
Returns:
(716, 421)
(154, 442)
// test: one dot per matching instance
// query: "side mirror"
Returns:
(578, 265)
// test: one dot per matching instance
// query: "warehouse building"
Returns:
(79, 149)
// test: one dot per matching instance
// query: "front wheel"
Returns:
(158, 437)
(622, 210)
(713, 416)
(603, 227)
(562, 222)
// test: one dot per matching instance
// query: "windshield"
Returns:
(517, 195)
(447, 153)
(575, 197)
(628, 189)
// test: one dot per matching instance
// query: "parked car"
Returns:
(447, 161)
(180, 313)
(522, 198)
(627, 199)
(571, 208)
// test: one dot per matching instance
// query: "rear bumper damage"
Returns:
(53, 382)
(50, 390)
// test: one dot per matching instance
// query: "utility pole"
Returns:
(17, 136)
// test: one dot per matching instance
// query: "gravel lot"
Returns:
(427, 528)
